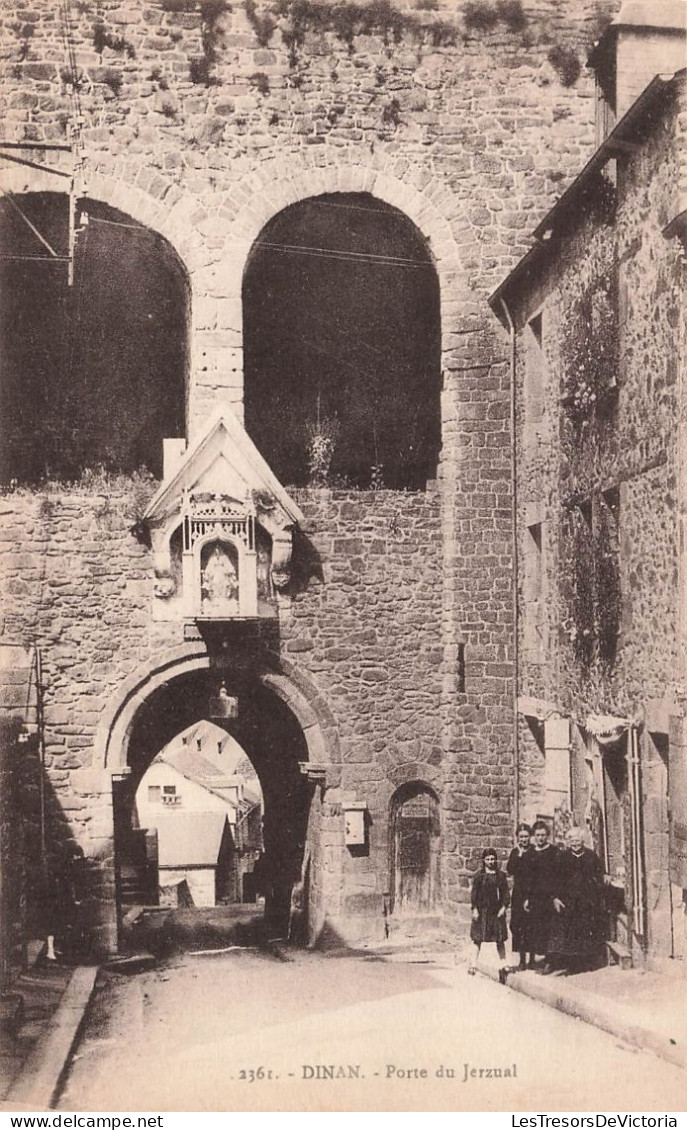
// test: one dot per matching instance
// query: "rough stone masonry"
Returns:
(202, 121)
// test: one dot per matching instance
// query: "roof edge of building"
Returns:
(543, 234)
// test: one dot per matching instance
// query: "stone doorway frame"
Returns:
(110, 760)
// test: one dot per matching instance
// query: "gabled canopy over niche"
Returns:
(221, 529)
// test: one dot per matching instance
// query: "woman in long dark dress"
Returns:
(579, 930)
(62, 899)
(542, 883)
(490, 900)
(516, 867)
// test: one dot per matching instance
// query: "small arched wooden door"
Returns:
(415, 841)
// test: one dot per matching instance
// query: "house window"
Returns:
(461, 668)
(535, 373)
(170, 795)
(595, 589)
(533, 604)
(605, 91)
(608, 595)
(154, 794)
(578, 552)
(557, 778)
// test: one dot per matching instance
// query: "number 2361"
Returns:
(254, 1074)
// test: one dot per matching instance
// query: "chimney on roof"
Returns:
(646, 38)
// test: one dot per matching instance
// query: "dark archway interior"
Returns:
(342, 323)
(93, 374)
(271, 737)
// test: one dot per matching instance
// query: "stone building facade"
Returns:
(379, 677)
(598, 334)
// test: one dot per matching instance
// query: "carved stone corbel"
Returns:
(314, 771)
(282, 551)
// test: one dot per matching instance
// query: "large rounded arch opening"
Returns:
(94, 374)
(342, 345)
(178, 714)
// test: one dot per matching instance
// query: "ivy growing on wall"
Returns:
(264, 26)
(201, 70)
(260, 81)
(607, 559)
(589, 335)
(579, 592)
(103, 38)
(347, 19)
(565, 63)
(24, 32)
(322, 434)
(113, 79)
(591, 590)
(480, 15)
(132, 492)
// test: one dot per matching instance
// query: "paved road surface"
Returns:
(187, 1036)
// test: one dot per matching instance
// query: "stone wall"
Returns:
(13, 879)
(629, 442)
(366, 627)
(471, 132)
(603, 454)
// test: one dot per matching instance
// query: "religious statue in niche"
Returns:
(219, 581)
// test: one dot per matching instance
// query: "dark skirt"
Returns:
(579, 929)
(519, 923)
(519, 919)
(488, 928)
(542, 881)
(489, 895)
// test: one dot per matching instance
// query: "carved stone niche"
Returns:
(221, 528)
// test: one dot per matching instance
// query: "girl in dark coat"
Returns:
(490, 900)
(516, 867)
(542, 883)
(579, 930)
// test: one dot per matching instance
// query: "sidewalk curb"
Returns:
(617, 1019)
(41, 1074)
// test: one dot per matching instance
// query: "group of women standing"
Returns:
(557, 902)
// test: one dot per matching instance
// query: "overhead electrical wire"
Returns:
(35, 258)
(343, 256)
(73, 69)
(118, 224)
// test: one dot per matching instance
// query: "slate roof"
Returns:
(194, 767)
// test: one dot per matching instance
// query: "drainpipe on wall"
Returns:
(639, 915)
(515, 606)
(41, 768)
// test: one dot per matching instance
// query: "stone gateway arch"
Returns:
(360, 611)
